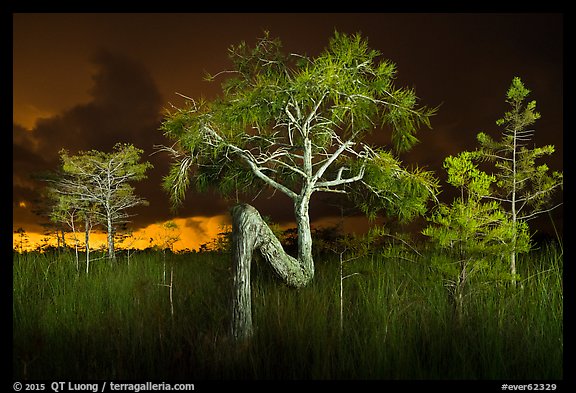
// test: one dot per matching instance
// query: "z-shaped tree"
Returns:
(297, 125)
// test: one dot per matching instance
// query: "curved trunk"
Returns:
(249, 233)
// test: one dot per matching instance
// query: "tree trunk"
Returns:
(460, 291)
(250, 232)
(63, 239)
(513, 264)
(87, 228)
(73, 226)
(111, 254)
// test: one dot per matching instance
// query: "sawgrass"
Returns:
(398, 321)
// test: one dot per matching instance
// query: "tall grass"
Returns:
(399, 321)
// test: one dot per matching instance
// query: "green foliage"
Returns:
(276, 109)
(121, 164)
(297, 125)
(94, 187)
(475, 231)
(475, 235)
(389, 189)
(465, 175)
(124, 160)
(524, 187)
(519, 118)
(98, 181)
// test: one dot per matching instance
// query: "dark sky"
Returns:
(87, 81)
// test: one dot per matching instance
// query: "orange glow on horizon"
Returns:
(192, 232)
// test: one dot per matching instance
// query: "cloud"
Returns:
(125, 106)
(196, 224)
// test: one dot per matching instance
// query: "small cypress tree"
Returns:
(472, 232)
(101, 182)
(523, 188)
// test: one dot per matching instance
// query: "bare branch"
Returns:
(329, 161)
(339, 181)
(249, 158)
(534, 214)
(333, 190)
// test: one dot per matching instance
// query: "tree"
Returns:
(100, 181)
(297, 125)
(43, 208)
(59, 201)
(127, 237)
(523, 187)
(23, 240)
(473, 232)
(169, 235)
(69, 211)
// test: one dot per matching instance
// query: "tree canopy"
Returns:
(294, 123)
(298, 125)
(98, 183)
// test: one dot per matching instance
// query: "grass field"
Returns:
(119, 322)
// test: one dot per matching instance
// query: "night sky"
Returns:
(87, 81)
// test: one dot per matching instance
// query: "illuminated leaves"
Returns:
(96, 184)
(464, 174)
(524, 187)
(283, 119)
(489, 220)
(474, 233)
(389, 189)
